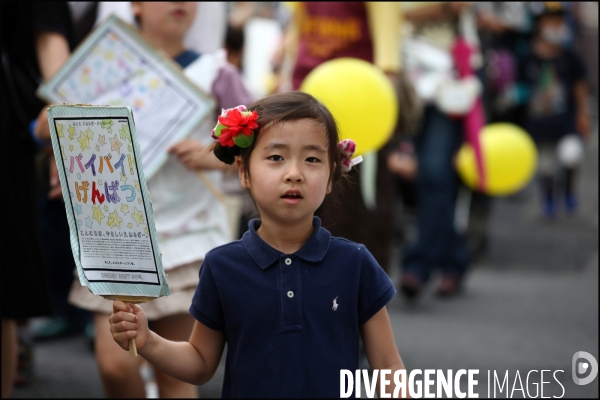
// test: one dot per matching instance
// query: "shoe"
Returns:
(571, 203)
(410, 285)
(448, 286)
(53, 329)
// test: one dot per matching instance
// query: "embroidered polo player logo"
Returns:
(335, 304)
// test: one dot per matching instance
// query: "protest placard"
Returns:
(108, 208)
(114, 65)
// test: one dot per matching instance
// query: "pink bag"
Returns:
(474, 121)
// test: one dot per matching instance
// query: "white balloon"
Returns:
(570, 150)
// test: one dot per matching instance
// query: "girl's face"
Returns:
(289, 171)
(164, 17)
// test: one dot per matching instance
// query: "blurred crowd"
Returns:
(531, 64)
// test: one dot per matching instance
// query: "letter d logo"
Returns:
(583, 367)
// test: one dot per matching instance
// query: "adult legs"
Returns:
(177, 328)
(437, 241)
(9, 355)
(479, 214)
(456, 259)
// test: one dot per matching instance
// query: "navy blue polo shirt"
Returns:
(291, 321)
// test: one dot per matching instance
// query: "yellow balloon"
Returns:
(509, 155)
(360, 97)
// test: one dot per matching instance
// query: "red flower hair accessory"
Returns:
(348, 147)
(235, 127)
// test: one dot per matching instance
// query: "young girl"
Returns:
(289, 299)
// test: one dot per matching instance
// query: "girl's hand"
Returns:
(189, 152)
(42, 129)
(129, 321)
(196, 157)
(402, 164)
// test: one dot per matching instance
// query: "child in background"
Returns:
(554, 74)
(289, 299)
(190, 220)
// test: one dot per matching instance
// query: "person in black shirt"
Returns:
(35, 43)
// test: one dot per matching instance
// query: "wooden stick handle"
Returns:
(132, 348)
(215, 191)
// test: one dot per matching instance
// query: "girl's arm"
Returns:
(194, 362)
(196, 157)
(380, 347)
(52, 50)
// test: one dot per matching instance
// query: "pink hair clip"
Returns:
(348, 147)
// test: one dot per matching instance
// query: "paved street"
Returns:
(529, 304)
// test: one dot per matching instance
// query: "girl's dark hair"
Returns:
(282, 107)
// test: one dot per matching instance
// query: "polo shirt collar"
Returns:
(314, 249)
